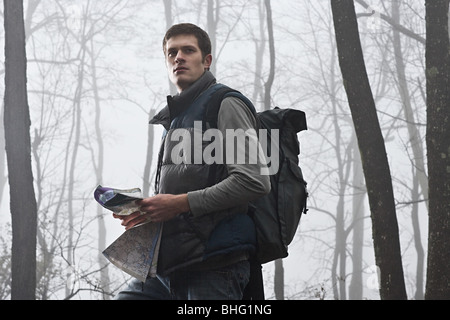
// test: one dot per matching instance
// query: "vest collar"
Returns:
(176, 104)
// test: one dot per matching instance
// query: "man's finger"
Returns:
(136, 221)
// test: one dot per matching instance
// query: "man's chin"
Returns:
(182, 83)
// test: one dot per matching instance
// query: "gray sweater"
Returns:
(245, 181)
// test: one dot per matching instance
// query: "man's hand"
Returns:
(159, 208)
(131, 220)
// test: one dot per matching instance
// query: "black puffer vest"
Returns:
(188, 240)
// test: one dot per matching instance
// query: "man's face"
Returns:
(184, 61)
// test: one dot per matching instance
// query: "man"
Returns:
(207, 236)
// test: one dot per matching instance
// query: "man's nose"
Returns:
(179, 57)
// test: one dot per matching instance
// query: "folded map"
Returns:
(136, 250)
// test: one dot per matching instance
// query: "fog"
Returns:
(104, 58)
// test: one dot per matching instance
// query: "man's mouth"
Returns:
(178, 69)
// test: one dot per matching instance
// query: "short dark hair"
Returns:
(204, 42)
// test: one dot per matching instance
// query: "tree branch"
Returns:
(398, 27)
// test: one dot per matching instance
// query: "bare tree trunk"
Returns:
(149, 157)
(18, 151)
(212, 17)
(438, 147)
(279, 280)
(343, 156)
(419, 174)
(73, 163)
(279, 270)
(260, 45)
(419, 294)
(270, 79)
(71, 186)
(355, 291)
(338, 271)
(372, 150)
(414, 137)
(341, 230)
(31, 9)
(339, 255)
(338, 265)
(104, 276)
(3, 177)
(169, 22)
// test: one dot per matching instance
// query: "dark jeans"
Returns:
(226, 283)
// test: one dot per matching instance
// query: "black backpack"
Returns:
(277, 214)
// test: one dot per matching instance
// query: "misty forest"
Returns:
(82, 78)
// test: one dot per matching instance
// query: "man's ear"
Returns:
(207, 61)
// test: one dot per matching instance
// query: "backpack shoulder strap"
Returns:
(212, 112)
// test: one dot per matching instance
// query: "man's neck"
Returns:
(197, 87)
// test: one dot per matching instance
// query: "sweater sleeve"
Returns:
(245, 181)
